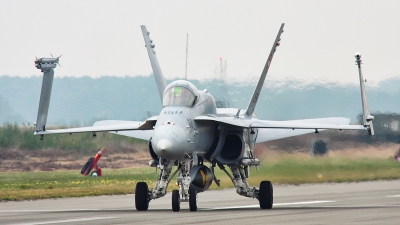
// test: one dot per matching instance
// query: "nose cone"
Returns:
(164, 148)
(170, 141)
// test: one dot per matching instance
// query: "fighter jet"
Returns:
(191, 132)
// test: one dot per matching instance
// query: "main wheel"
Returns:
(266, 195)
(176, 203)
(192, 200)
(141, 194)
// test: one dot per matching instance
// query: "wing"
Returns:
(139, 134)
(271, 130)
(225, 119)
(336, 123)
(106, 125)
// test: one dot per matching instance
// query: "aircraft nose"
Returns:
(169, 141)
(164, 147)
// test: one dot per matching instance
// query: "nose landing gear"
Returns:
(186, 193)
(176, 201)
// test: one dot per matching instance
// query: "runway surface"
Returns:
(346, 203)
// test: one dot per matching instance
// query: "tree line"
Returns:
(14, 137)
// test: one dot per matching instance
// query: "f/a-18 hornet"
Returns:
(190, 131)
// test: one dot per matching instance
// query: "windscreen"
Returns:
(179, 96)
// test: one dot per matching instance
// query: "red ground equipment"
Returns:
(92, 163)
(397, 155)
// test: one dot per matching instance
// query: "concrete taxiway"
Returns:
(345, 203)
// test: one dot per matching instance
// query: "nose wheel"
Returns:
(176, 203)
(192, 200)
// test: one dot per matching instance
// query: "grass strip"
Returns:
(288, 170)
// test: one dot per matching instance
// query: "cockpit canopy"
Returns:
(180, 93)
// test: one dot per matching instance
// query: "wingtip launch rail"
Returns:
(46, 65)
(367, 117)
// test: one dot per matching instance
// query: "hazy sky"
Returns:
(100, 38)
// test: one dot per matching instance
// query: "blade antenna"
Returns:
(57, 60)
(187, 43)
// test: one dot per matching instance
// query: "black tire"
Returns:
(141, 195)
(192, 200)
(94, 174)
(266, 195)
(176, 203)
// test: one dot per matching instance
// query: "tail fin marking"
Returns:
(257, 90)
(158, 75)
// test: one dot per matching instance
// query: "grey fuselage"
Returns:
(176, 134)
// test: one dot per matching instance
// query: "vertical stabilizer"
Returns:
(367, 117)
(158, 75)
(46, 65)
(257, 91)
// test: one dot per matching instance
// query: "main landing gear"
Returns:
(265, 195)
(239, 179)
(187, 193)
(142, 193)
(141, 196)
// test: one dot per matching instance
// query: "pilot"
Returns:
(178, 96)
(182, 96)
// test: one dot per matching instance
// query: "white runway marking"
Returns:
(67, 221)
(46, 210)
(393, 196)
(276, 204)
